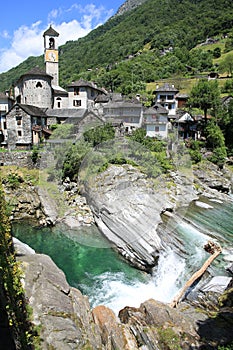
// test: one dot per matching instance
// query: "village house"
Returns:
(26, 126)
(155, 121)
(41, 103)
(127, 114)
(166, 97)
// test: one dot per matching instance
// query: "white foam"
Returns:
(115, 292)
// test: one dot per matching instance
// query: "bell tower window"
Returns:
(51, 43)
(38, 84)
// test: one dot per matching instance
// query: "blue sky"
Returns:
(23, 23)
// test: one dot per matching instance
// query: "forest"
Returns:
(157, 40)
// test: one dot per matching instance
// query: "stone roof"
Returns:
(123, 104)
(58, 90)
(32, 110)
(157, 108)
(4, 96)
(65, 113)
(102, 98)
(81, 83)
(50, 31)
(182, 96)
(36, 71)
(166, 87)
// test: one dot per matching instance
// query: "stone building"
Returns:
(26, 126)
(128, 113)
(166, 97)
(34, 88)
(155, 121)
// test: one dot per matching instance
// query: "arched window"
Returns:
(38, 84)
(51, 43)
(58, 99)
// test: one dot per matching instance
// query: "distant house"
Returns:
(155, 121)
(166, 97)
(186, 125)
(181, 100)
(26, 126)
(128, 113)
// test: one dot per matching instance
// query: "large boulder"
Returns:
(128, 206)
(62, 312)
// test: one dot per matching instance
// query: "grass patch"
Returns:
(52, 191)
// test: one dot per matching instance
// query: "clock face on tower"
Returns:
(51, 56)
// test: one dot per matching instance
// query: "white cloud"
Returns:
(5, 34)
(28, 40)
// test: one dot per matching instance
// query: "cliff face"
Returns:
(129, 5)
(128, 206)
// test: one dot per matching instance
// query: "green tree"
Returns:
(217, 52)
(214, 136)
(229, 42)
(62, 131)
(205, 95)
(216, 142)
(226, 124)
(226, 64)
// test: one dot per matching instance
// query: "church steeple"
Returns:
(51, 54)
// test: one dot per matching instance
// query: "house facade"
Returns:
(129, 113)
(165, 95)
(155, 121)
(26, 126)
(82, 94)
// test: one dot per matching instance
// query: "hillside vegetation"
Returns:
(152, 42)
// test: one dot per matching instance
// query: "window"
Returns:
(19, 120)
(77, 103)
(38, 84)
(170, 97)
(59, 102)
(51, 43)
(4, 125)
(157, 129)
(76, 91)
(19, 133)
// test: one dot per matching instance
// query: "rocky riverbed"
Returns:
(119, 205)
(66, 321)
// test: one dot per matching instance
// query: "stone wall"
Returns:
(18, 158)
(24, 159)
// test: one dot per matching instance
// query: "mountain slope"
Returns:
(129, 5)
(144, 32)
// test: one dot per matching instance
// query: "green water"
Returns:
(82, 254)
(98, 271)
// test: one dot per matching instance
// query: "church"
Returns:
(40, 102)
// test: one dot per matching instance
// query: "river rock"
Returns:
(213, 181)
(62, 312)
(22, 248)
(127, 207)
(114, 335)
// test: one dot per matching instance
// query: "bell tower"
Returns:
(51, 54)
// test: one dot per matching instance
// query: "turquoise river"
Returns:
(91, 265)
